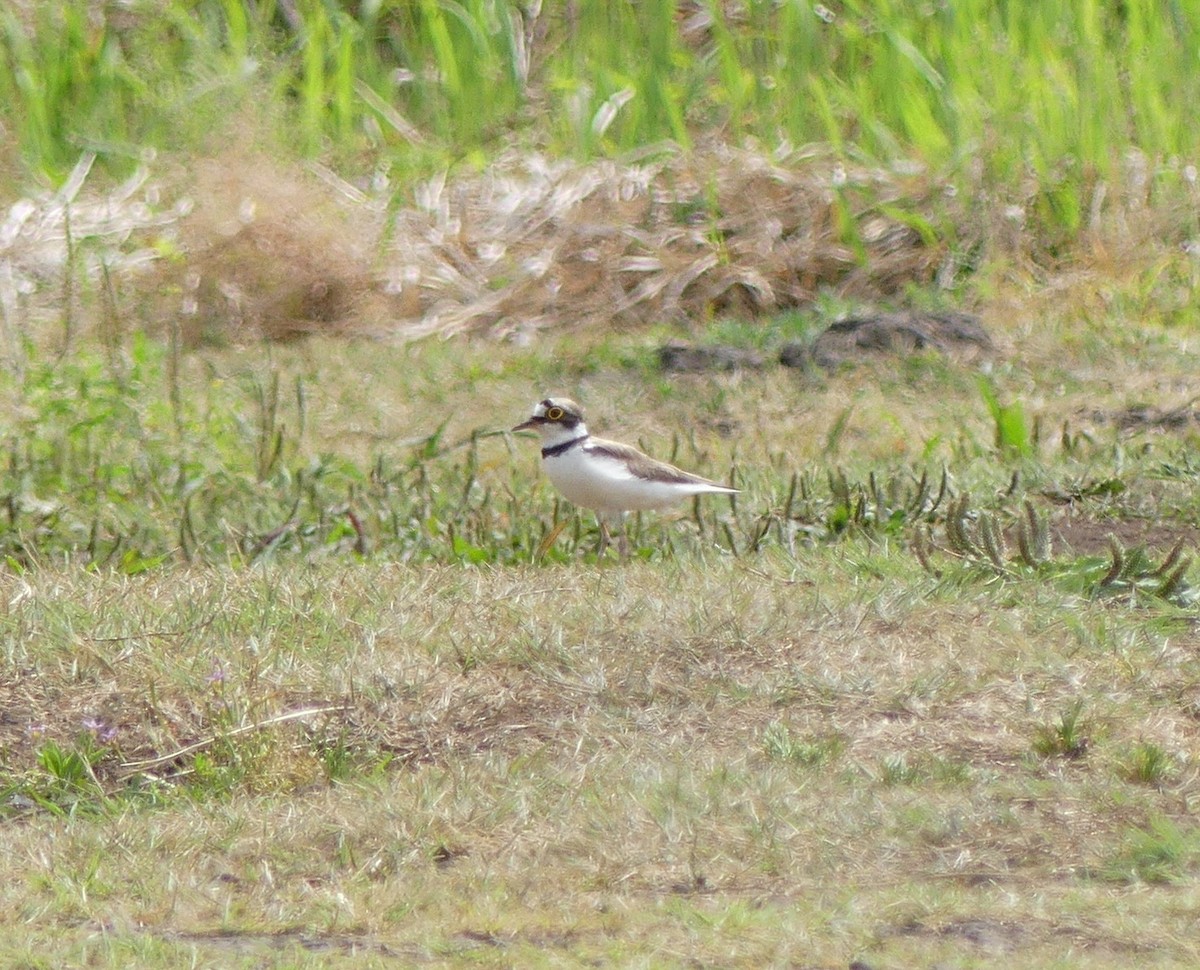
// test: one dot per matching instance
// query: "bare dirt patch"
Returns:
(1153, 416)
(959, 336)
(1089, 536)
(990, 937)
(244, 943)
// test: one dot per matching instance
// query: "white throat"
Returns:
(556, 434)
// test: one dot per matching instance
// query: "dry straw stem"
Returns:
(188, 750)
(49, 236)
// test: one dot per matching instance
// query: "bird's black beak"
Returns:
(525, 425)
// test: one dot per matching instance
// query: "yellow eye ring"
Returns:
(554, 414)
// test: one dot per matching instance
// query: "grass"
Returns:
(304, 664)
(225, 458)
(1042, 123)
(412, 739)
(576, 785)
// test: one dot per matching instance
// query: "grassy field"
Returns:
(772, 738)
(306, 665)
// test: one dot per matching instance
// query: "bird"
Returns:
(605, 476)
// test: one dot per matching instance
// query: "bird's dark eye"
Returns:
(554, 414)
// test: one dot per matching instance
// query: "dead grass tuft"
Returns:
(260, 248)
(273, 251)
(532, 244)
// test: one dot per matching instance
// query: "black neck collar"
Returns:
(555, 450)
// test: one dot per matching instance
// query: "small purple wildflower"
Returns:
(36, 730)
(98, 729)
(217, 676)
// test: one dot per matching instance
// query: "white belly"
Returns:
(606, 485)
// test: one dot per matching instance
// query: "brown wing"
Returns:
(645, 467)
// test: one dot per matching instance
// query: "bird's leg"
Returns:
(623, 539)
(600, 549)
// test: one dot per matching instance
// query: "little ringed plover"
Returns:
(606, 476)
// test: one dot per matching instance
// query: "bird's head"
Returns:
(552, 414)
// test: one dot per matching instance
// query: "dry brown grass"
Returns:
(532, 244)
(582, 757)
(264, 249)
(255, 247)
(272, 251)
